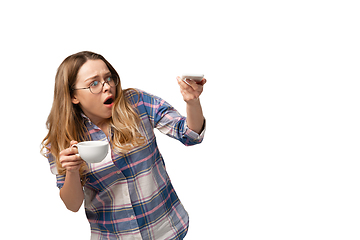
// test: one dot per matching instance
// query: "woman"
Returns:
(129, 194)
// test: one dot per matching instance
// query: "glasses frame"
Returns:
(102, 87)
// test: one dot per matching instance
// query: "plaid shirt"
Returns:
(130, 196)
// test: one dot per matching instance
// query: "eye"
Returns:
(109, 79)
(94, 83)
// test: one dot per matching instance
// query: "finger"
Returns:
(195, 87)
(186, 84)
(69, 151)
(74, 150)
(202, 82)
(71, 164)
(70, 158)
(183, 84)
(182, 81)
(192, 83)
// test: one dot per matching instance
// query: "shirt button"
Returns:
(132, 217)
(118, 172)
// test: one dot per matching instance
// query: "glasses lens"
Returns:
(113, 82)
(96, 87)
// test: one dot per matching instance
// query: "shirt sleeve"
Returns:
(60, 179)
(169, 121)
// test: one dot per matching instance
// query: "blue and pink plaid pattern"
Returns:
(130, 196)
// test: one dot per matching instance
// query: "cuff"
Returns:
(194, 135)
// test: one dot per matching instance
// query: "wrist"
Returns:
(73, 173)
(193, 102)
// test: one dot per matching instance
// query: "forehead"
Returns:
(92, 68)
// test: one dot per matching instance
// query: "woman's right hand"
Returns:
(69, 158)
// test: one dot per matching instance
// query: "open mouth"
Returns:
(109, 101)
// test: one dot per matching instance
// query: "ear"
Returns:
(75, 100)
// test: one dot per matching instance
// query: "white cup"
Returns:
(92, 151)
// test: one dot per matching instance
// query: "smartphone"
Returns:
(195, 77)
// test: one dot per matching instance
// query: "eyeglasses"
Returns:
(97, 87)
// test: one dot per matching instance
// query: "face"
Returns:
(97, 107)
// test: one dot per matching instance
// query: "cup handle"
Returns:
(75, 145)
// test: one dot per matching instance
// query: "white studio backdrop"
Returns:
(280, 159)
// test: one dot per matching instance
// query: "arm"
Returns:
(191, 93)
(71, 193)
(195, 118)
(162, 116)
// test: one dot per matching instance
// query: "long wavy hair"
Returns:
(65, 122)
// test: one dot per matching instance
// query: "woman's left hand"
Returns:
(191, 90)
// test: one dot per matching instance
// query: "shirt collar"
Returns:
(86, 119)
(88, 122)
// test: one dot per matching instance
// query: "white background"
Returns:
(280, 159)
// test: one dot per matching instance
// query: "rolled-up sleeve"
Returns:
(60, 179)
(169, 121)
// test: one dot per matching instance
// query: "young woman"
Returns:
(129, 194)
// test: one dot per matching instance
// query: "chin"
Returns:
(108, 115)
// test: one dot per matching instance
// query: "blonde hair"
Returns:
(65, 122)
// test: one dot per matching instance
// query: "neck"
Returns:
(104, 126)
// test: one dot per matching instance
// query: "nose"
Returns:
(106, 86)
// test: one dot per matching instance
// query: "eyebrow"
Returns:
(96, 76)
